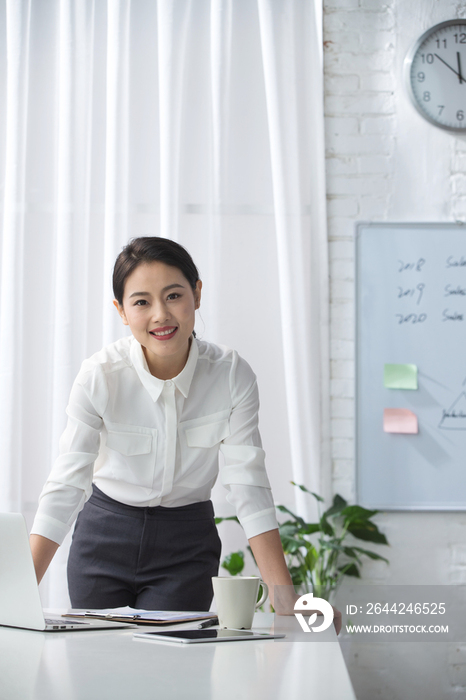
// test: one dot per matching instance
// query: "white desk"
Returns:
(111, 665)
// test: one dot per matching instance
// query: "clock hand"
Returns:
(458, 58)
(448, 66)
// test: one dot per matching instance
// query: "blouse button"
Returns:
(168, 382)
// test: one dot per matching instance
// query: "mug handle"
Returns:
(264, 596)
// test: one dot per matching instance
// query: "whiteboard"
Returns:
(411, 309)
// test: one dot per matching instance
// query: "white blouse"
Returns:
(149, 442)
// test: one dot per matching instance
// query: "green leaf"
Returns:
(234, 563)
(358, 513)
(294, 528)
(220, 520)
(326, 527)
(337, 506)
(290, 523)
(350, 570)
(288, 529)
(303, 488)
(297, 518)
(289, 532)
(369, 533)
(311, 558)
(371, 555)
(331, 545)
(296, 574)
(310, 528)
(292, 544)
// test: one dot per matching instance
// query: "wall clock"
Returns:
(435, 75)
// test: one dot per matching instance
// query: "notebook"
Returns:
(20, 604)
(145, 617)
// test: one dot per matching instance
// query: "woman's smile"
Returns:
(164, 333)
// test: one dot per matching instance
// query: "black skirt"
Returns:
(150, 558)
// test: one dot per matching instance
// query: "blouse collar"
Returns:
(154, 385)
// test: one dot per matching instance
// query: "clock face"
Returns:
(435, 72)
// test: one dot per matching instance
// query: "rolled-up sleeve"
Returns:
(243, 472)
(69, 484)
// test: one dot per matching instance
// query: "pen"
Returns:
(208, 623)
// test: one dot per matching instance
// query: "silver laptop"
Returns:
(20, 604)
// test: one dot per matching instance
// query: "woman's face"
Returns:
(159, 307)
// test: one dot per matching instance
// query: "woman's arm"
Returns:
(268, 553)
(43, 551)
(69, 484)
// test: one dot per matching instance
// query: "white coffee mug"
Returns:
(236, 598)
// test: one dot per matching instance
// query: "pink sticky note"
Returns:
(399, 420)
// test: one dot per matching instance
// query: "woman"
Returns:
(147, 418)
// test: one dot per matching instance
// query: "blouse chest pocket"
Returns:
(129, 444)
(131, 453)
(208, 435)
(199, 440)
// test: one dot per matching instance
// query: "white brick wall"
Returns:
(359, 106)
(385, 163)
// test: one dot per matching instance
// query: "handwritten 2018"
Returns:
(417, 266)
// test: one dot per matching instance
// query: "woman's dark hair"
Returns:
(147, 250)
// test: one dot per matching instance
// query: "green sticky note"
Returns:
(400, 376)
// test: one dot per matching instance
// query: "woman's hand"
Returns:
(268, 553)
(336, 619)
(285, 601)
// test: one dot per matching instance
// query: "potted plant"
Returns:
(319, 555)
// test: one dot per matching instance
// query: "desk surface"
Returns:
(101, 665)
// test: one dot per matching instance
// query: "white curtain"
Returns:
(199, 120)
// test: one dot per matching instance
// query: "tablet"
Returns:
(201, 636)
